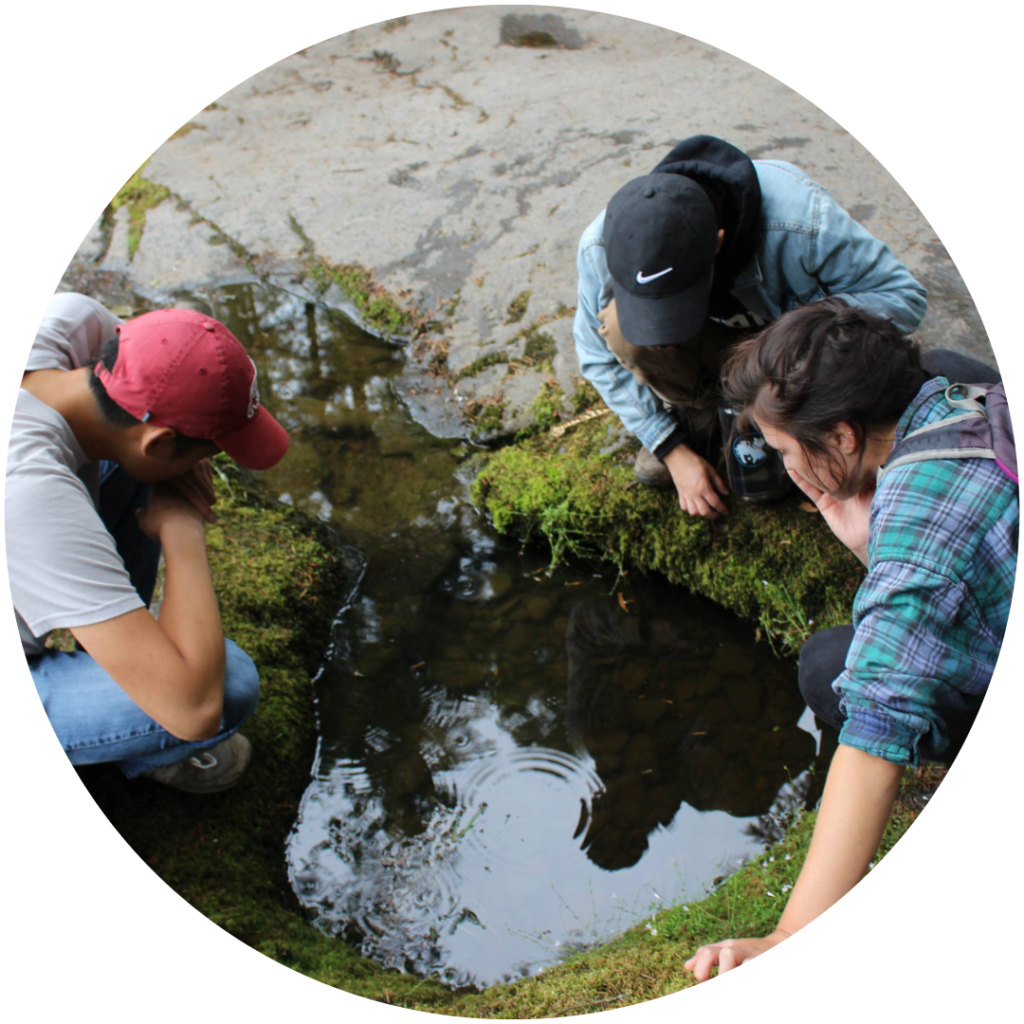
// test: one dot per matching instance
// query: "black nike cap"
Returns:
(660, 239)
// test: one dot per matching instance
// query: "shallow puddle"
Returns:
(513, 764)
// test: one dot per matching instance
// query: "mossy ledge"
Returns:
(779, 565)
(280, 579)
(139, 195)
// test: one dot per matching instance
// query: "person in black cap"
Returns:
(685, 260)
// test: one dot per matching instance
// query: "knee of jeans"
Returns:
(241, 685)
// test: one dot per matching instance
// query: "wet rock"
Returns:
(731, 659)
(686, 689)
(633, 676)
(640, 741)
(640, 761)
(501, 583)
(744, 695)
(409, 775)
(708, 684)
(539, 608)
(609, 742)
(718, 709)
(458, 675)
(539, 31)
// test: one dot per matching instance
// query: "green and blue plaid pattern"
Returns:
(929, 617)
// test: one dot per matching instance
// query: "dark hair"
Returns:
(120, 418)
(820, 365)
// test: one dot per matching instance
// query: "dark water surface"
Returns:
(512, 764)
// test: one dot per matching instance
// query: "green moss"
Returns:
(377, 306)
(546, 410)
(539, 347)
(584, 397)
(517, 307)
(185, 129)
(139, 195)
(486, 416)
(481, 364)
(777, 565)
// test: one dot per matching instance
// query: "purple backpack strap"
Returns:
(981, 429)
(1002, 431)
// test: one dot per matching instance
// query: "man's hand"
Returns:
(167, 508)
(699, 487)
(848, 519)
(729, 953)
(196, 486)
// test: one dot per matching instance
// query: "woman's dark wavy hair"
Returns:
(120, 418)
(820, 365)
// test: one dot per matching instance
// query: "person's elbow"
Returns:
(201, 717)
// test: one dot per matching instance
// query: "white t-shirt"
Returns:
(64, 567)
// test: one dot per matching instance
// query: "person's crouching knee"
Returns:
(822, 659)
(241, 686)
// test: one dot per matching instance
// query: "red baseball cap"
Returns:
(185, 370)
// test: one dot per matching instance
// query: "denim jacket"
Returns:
(808, 247)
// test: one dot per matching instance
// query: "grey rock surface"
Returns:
(458, 156)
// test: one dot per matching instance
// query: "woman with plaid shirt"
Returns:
(834, 389)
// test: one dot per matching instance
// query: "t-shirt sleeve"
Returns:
(902, 665)
(70, 574)
(73, 329)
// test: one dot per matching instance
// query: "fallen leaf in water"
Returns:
(807, 506)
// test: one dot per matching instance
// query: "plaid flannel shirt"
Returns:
(929, 617)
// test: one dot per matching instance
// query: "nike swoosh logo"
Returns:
(640, 279)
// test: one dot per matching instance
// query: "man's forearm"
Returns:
(855, 807)
(189, 615)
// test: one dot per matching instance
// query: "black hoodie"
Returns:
(728, 177)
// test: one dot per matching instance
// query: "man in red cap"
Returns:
(108, 464)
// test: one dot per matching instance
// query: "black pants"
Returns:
(822, 660)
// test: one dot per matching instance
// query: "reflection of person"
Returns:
(657, 718)
(709, 244)
(108, 464)
(834, 390)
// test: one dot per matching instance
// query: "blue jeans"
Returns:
(95, 720)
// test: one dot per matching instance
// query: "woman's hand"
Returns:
(729, 953)
(848, 519)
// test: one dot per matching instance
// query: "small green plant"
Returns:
(783, 619)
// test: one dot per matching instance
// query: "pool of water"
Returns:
(513, 763)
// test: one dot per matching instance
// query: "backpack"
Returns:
(982, 431)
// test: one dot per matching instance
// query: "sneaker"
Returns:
(651, 471)
(209, 771)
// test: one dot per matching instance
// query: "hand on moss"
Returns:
(730, 953)
(699, 487)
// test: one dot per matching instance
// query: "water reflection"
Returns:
(670, 719)
(512, 764)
